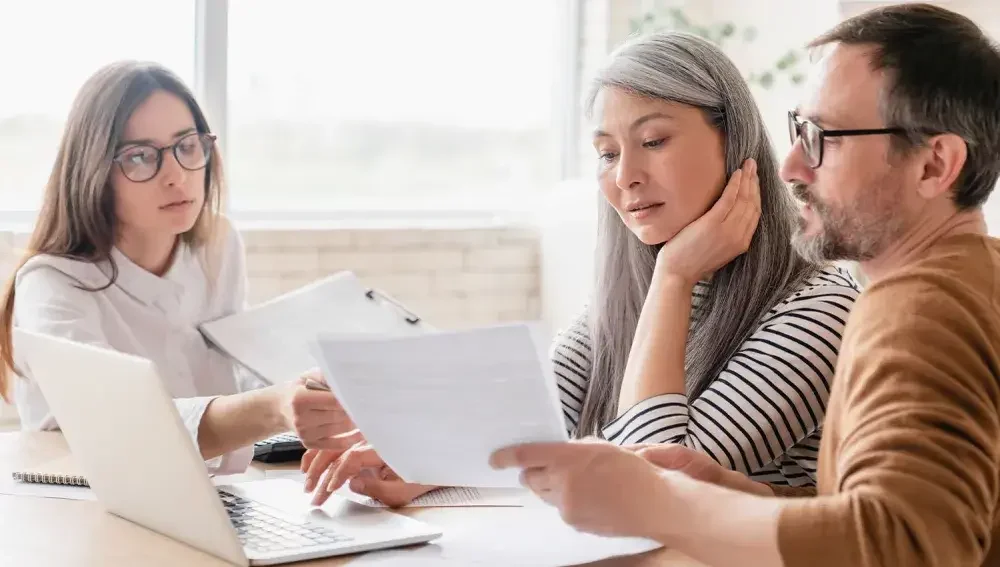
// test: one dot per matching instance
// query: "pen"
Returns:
(317, 385)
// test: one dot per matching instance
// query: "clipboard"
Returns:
(273, 339)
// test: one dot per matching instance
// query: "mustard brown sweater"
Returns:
(909, 464)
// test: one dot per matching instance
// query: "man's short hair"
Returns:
(943, 75)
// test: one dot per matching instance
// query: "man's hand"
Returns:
(700, 466)
(597, 487)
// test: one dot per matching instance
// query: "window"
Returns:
(50, 48)
(391, 103)
(329, 105)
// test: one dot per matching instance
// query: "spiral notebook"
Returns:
(59, 471)
(50, 478)
(58, 479)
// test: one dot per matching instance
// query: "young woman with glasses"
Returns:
(130, 252)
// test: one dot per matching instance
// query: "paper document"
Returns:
(446, 497)
(273, 339)
(436, 406)
(532, 536)
(293, 474)
(451, 497)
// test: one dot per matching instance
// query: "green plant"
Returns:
(722, 34)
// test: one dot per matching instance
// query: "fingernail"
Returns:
(310, 483)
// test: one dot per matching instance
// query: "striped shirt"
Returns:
(763, 414)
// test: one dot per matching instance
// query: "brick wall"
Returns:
(454, 278)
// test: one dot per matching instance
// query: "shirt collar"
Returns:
(146, 286)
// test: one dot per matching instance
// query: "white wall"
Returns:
(566, 216)
(781, 25)
(567, 225)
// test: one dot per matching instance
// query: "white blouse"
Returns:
(140, 314)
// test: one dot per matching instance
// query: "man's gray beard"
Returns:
(858, 232)
(830, 245)
(814, 249)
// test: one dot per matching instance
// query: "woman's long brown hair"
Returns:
(77, 217)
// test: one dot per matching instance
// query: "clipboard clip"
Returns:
(376, 295)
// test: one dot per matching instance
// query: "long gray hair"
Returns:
(686, 69)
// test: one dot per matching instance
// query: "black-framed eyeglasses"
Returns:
(142, 162)
(813, 136)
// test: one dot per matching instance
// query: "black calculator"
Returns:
(282, 448)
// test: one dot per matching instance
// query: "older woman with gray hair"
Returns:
(706, 328)
(702, 331)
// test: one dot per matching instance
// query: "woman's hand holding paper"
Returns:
(317, 417)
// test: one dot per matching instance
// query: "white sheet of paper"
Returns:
(294, 474)
(436, 406)
(451, 497)
(11, 487)
(447, 497)
(273, 339)
(532, 536)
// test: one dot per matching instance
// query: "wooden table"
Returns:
(68, 533)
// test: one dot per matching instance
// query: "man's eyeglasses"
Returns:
(142, 163)
(813, 136)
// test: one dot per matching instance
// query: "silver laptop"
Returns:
(127, 437)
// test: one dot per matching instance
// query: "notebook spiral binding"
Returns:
(46, 478)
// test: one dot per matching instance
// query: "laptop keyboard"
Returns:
(279, 438)
(265, 529)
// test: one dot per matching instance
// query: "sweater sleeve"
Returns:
(918, 434)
